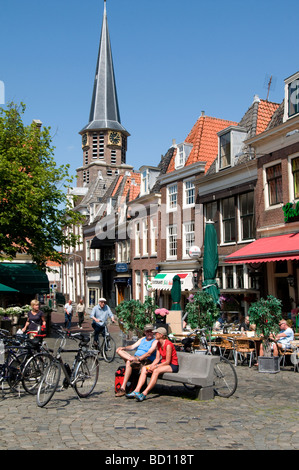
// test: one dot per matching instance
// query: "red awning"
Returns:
(264, 250)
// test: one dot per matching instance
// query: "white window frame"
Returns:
(137, 238)
(186, 192)
(172, 197)
(291, 179)
(169, 250)
(153, 234)
(144, 237)
(239, 219)
(187, 231)
(265, 185)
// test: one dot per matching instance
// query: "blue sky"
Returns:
(172, 59)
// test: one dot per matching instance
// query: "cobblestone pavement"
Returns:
(261, 415)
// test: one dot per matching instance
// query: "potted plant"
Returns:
(265, 314)
(134, 315)
(202, 311)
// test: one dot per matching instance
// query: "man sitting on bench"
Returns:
(166, 361)
(145, 354)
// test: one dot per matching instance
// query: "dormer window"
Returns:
(291, 96)
(183, 152)
(225, 150)
(230, 145)
(144, 182)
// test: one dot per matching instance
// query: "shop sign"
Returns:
(121, 267)
(291, 213)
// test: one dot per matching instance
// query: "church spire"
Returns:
(104, 110)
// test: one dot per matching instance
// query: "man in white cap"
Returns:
(99, 315)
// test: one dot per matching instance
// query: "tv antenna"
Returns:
(269, 84)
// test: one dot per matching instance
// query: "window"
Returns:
(113, 157)
(225, 150)
(172, 241)
(295, 171)
(189, 238)
(189, 193)
(101, 146)
(228, 219)
(94, 145)
(144, 182)
(137, 239)
(247, 215)
(88, 249)
(137, 285)
(144, 236)
(274, 184)
(211, 211)
(153, 235)
(172, 196)
(293, 97)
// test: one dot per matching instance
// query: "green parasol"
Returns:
(176, 293)
(210, 262)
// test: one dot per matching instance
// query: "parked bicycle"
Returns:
(18, 351)
(225, 377)
(83, 375)
(106, 346)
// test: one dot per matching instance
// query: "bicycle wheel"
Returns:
(48, 383)
(86, 375)
(109, 349)
(15, 367)
(34, 370)
(225, 378)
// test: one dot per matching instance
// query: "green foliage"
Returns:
(202, 311)
(266, 314)
(34, 207)
(134, 315)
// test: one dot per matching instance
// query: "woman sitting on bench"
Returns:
(166, 361)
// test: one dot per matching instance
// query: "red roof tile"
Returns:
(265, 112)
(204, 138)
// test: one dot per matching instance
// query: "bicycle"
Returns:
(83, 375)
(106, 346)
(225, 377)
(18, 350)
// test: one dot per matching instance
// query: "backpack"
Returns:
(119, 378)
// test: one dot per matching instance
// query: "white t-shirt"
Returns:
(289, 337)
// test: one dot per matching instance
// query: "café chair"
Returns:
(227, 345)
(243, 349)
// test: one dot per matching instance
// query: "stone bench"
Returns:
(195, 369)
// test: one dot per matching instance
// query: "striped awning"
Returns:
(164, 281)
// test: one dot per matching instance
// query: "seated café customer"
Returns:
(145, 354)
(166, 361)
(282, 340)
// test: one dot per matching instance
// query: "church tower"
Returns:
(104, 139)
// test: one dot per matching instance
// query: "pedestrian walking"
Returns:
(81, 312)
(68, 314)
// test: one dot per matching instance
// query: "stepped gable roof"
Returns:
(204, 138)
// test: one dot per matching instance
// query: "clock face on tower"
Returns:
(84, 140)
(114, 138)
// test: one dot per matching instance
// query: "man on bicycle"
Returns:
(99, 315)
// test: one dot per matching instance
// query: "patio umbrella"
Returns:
(176, 293)
(210, 262)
